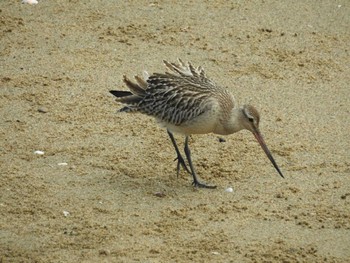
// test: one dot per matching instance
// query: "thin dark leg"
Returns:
(180, 160)
(196, 183)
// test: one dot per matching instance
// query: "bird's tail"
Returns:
(134, 96)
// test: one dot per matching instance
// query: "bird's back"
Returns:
(184, 100)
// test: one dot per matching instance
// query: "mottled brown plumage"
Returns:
(186, 101)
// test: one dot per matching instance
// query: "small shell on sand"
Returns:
(31, 2)
(229, 190)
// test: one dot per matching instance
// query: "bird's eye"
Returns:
(251, 119)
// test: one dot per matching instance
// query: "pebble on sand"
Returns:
(43, 110)
(39, 152)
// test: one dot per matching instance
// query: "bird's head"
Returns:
(250, 119)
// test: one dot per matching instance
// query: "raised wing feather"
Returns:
(174, 97)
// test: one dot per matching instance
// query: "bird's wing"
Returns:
(175, 99)
(177, 96)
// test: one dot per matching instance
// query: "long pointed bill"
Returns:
(262, 143)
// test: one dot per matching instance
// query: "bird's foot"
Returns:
(181, 162)
(201, 185)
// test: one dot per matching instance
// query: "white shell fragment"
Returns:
(229, 190)
(31, 2)
(66, 213)
(62, 164)
(39, 152)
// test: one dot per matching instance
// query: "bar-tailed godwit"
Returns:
(185, 101)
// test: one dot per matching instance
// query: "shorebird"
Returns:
(185, 101)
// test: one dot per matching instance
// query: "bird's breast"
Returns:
(201, 124)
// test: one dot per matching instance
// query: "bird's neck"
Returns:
(233, 122)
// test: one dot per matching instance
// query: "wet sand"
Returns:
(106, 190)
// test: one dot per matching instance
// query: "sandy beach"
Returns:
(104, 188)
